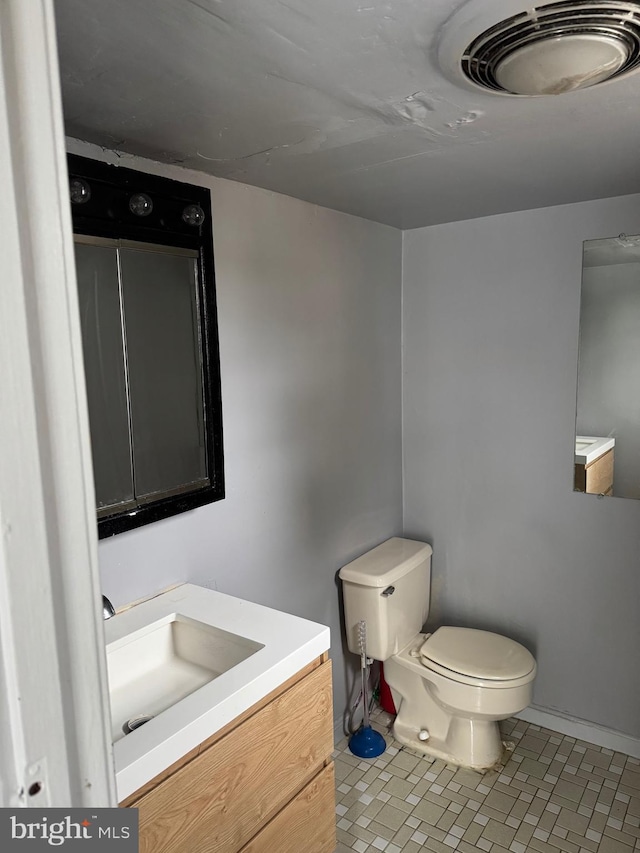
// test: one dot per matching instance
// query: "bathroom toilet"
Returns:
(451, 687)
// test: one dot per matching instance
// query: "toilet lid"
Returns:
(479, 654)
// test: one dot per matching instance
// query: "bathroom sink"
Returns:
(192, 660)
(591, 447)
(152, 669)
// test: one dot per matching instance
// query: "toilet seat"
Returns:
(477, 658)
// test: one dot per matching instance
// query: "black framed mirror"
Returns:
(146, 287)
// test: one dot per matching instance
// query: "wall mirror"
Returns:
(144, 266)
(607, 450)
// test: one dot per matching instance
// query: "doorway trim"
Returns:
(55, 745)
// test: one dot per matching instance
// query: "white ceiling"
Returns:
(338, 102)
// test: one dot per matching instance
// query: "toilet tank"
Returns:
(388, 588)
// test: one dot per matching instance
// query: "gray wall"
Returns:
(490, 328)
(609, 372)
(309, 309)
(309, 317)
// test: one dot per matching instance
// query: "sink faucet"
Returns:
(108, 610)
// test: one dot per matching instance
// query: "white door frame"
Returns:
(54, 717)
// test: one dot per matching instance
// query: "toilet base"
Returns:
(461, 720)
(475, 744)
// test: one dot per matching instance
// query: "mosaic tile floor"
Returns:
(554, 794)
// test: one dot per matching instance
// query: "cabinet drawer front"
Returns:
(308, 823)
(221, 799)
(600, 474)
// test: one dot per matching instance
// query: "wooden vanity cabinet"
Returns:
(263, 784)
(597, 477)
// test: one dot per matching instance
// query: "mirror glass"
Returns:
(607, 449)
(143, 364)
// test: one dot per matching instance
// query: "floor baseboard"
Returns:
(581, 730)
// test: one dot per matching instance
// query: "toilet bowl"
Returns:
(459, 712)
(451, 687)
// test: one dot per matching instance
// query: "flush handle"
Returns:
(388, 591)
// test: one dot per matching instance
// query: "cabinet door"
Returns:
(307, 824)
(105, 372)
(221, 799)
(165, 370)
(599, 475)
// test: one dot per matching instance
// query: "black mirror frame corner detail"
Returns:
(109, 216)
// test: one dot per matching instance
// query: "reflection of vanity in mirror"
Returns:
(593, 462)
(608, 402)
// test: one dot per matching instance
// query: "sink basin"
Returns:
(194, 659)
(157, 666)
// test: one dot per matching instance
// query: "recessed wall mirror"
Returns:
(144, 266)
(607, 444)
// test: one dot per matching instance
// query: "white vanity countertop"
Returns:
(591, 447)
(290, 643)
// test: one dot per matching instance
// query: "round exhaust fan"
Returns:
(546, 50)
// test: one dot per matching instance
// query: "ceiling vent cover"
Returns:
(556, 48)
